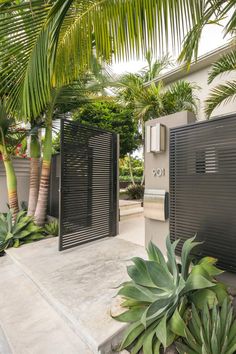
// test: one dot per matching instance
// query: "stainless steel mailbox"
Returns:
(156, 204)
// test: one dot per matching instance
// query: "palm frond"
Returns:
(180, 96)
(48, 44)
(221, 94)
(225, 64)
(154, 68)
(210, 12)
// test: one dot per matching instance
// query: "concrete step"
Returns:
(78, 285)
(29, 324)
(130, 213)
(129, 204)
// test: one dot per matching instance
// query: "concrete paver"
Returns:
(29, 322)
(80, 284)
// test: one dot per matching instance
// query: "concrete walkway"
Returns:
(132, 230)
(4, 343)
(30, 325)
(50, 295)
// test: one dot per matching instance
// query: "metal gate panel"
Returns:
(203, 187)
(88, 186)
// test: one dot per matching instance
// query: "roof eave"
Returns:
(203, 61)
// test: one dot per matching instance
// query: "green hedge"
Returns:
(128, 179)
(137, 171)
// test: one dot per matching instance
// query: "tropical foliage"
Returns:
(22, 230)
(51, 42)
(158, 296)
(210, 331)
(63, 99)
(156, 100)
(52, 228)
(222, 93)
(132, 88)
(130, 169)
(210, 12)
(112, 116)
(135, 191)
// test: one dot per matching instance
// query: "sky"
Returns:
(212, 38)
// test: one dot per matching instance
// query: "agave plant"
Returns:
(52, 228)
(157, 299)
(22, 230)
(212, 331)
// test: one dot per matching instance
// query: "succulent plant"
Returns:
(52, 228)
(22, 230)
(157, 299)
(210, 331)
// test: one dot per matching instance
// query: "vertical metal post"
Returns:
(61, 185)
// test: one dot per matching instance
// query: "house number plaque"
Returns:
(158, 172)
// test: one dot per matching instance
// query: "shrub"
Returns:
(22, 230)
(210, 331)
(137, 171)
(128, 179)
(135, 191)
(52, 228)
(158, 297)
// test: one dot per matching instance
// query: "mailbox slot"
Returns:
(156, 204)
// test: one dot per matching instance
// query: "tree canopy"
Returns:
(111, 116)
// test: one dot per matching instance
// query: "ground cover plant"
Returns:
(158, 298)
(52, 228)
(14, 233)
(210, 331)
(135, 191)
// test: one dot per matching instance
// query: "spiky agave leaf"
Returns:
(15, 233)
(157, 297)
(210, 331)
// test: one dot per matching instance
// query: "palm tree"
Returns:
(155, 100)
(50, 42)
(146, 101)
(35, 156)
(180, 96)
(222, 93)
(10, 137)
(63, 99)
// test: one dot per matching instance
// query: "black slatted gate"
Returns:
(203, 187)
(88, 186)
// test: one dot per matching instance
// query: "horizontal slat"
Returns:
(203, 187)
(88, 182)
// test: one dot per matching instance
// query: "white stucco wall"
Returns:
(200, 78)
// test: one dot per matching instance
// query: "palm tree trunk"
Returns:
(34, 174)
(41, 208)
(131, 170)
(11, 185)
(143, 143)
(10, 177)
